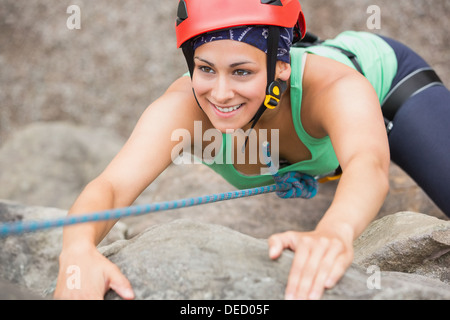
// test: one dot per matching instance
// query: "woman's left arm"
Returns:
(348, 111)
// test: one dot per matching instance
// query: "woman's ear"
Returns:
(283, 71)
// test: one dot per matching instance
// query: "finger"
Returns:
(329, 260)
(338, 271)
(302, 254)
(310, 270)
(275, 247)
(120, 284)
(279, 242)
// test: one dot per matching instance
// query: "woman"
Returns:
(244, 76)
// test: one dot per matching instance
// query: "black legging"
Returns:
(420, 138)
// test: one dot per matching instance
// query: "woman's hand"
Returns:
(88, 275)
(320, 260)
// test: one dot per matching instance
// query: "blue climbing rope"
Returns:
(21, 227)
(291, 185)
(301, 185)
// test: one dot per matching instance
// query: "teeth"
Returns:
(227, 110)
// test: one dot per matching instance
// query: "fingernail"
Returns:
(272, 251)
(128, 293)
(329, 283)
(314, 296)
(289, 296)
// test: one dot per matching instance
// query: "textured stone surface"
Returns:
(31, 260)
(125, 54)
(187, 260)
(407, 242)
(190, 260)
(50, 163)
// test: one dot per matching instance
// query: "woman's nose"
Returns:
(222, 91)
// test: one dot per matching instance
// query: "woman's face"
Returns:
(230, 79)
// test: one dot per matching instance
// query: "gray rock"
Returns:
(358, 285)
(49, 164)
(10, 291)
(125, 55)
(191, 260)
(31, 260)
(188, 259)
(407, 242)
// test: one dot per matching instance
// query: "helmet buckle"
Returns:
(274, 92)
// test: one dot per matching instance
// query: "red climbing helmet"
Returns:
(196, 17)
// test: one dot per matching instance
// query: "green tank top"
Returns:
(379, 64)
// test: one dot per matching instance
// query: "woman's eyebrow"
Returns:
(237, 64)
(233, 65)
(205, 61)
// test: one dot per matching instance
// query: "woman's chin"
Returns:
(226, 128)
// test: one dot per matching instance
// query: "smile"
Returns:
(228, 110)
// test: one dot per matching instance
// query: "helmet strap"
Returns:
(189, 55)
(274, 88)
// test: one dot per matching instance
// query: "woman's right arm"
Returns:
(143, 158)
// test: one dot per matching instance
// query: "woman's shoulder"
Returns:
(181, 95)
(322, 72)
(178, 103)
(326, 83)
(182, 85)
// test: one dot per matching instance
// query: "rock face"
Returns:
(191, 260)
(125, 53)
(407, 242)
(31, 260)
(48, 163)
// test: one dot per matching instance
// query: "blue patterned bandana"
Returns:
(254, 35)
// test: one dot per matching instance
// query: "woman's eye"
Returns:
(206, 69)
(242, 73)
